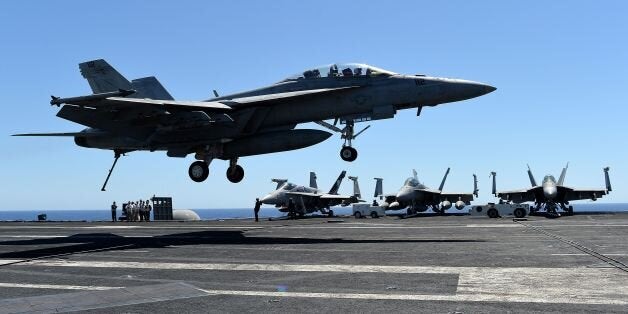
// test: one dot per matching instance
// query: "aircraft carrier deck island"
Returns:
(439, 264)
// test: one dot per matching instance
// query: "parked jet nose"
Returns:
(269, 199)
(550, 192)
(404, 196)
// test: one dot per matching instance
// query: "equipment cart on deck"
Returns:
(493, 210)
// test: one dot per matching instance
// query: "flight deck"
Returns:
(436, 264)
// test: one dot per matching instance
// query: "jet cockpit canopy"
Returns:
(340, 70)
(411, 182)
(549, 178)
(288, 186)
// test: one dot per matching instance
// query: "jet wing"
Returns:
(335, 197)
(171, 104)
(321, 196)
(520, 196)
(304, 194)
(430, 196)
(82, 134)
(149, 104)
(454, 197)
(438, 196)
(582, 194)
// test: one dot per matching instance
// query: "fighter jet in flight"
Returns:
(311, 199)
(417, 197)
(140, 115)
(551, 194)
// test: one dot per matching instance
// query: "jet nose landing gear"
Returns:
(347, 152)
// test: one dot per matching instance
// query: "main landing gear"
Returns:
(347, 152)
(235, 172)
(199, 171)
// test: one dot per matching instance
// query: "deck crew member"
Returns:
(114, 212)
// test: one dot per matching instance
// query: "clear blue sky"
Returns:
(561, 69)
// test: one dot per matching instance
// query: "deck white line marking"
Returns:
(422, 297)
(509, 225)
(59, 287)
(500, 284)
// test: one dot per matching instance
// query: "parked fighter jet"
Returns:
(139, 115)
(311, 199)
(418, 197)
(551, 194)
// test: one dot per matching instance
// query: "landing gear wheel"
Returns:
(570, 210)
(348, 153)
(410, 212)
(235, 174)
(199, 171)
(330, 213)
(492, 213)
(519, 213)
(357, 215)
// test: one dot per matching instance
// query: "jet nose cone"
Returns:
(489, 89)
(463, 89)
(550, 192)
(403, 196)
(268, 199)
(476, 89)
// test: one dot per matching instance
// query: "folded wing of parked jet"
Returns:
(520, 196)
(438, 196)
(581, 194)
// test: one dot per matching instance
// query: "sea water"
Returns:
(236, 213)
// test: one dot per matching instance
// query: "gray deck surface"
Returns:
(446, 264)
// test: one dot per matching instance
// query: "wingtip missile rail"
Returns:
(58, 101)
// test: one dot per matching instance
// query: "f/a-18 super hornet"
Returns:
(126, 116)
(311, 199)
(417, 197)
(551, 194)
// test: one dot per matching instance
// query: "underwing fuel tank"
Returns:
(460, 205)
(445, 205)
(273, 142)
